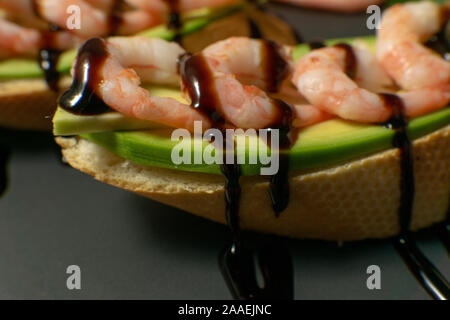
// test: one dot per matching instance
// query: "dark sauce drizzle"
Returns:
(48, 57)
(276, 70)
(316, 44)
(81, 98)
(441, 41)
(174, 22)
(279, 189)
(115, 17)
(350, 59)
(236, 261)
(351, 62)
(4, 157)
(424, 271)
(255, 31)
(199, 84)
(444, 232)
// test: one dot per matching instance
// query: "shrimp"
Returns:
(133, 59)
(335, 5)
(243, 59)
(320, 77)
(104, 5)
(163, 6)
(306, 115)
(246, 59)
(23, 12)
(17, 40)
(424, 75)
(93, 21)
(399, 49)
(369, 73)
(238, 65)
(422, 101)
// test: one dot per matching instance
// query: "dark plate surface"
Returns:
(129, 247)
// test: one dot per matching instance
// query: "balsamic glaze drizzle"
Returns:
(199, 83)
(255, 31)
(276, 68)
(440, 43)
(351, 62)
(48, 56)
(232, 173)
(424, 271)
(81, 98)
(350, 59)
(174, 22)
(237, 265)
(313, 45)
(48, 61)
(115, 17)
(444, 232)
(279, 183)
(4, 157)
(236, 261)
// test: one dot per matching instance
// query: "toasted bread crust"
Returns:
(28, 104)
(354, 201)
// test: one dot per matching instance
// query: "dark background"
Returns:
(129, 247)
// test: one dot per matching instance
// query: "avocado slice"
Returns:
(194, 20)
(66, 123)
(325, 144)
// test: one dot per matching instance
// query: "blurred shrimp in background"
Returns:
(335, 5)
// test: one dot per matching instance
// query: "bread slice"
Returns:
(352, 201)
(29, 104)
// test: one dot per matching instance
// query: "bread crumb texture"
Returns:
(355, 201)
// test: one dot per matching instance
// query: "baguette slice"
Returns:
(352, 201)
(29, 104)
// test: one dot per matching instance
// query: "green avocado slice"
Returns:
(325, 144)
(194, 21)
(68, 124)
